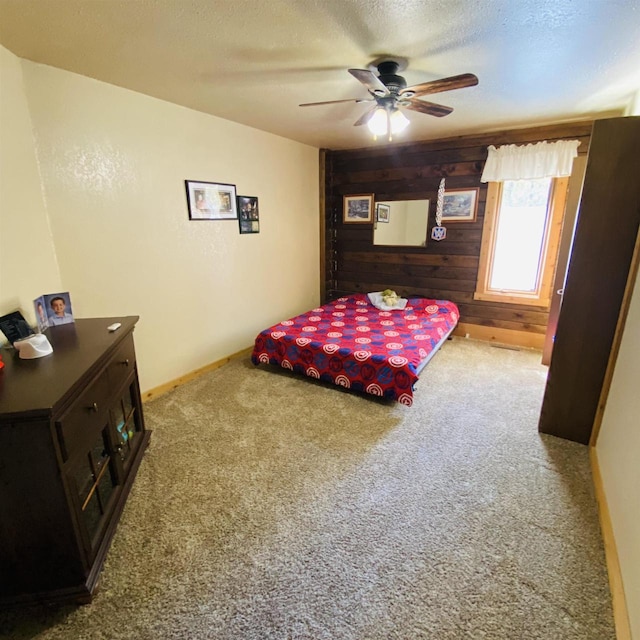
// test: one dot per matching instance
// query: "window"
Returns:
(522, 225)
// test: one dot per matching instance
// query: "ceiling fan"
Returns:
(390, 93)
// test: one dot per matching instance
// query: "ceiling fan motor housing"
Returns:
(388, 76)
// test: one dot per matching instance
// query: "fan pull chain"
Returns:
(439, 232)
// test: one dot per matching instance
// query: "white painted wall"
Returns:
(113, 164)
(618, 450)
(28, 265)
(633, 108)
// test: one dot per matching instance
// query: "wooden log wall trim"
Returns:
(323, 223)
(444, 270)
(576, 130)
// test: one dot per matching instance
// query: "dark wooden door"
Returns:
(603, 246)
(564, 251)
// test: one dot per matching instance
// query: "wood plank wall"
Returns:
(446, 269)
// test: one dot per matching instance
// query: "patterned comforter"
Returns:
(351, 343)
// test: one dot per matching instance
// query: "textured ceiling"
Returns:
(254, 61)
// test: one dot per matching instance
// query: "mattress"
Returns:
(350, 343)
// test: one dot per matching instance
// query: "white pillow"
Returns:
(376, 300)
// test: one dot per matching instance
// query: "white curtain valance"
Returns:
(526, 162)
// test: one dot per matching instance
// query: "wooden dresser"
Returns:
(72, 436)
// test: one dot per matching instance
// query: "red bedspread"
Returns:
(351, 343)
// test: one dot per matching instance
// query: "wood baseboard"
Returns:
(151, 394)
(620, 614)
(500, 336)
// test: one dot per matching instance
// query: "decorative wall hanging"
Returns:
(460, 205)
(211, 201)
(439, 232)
(248, 214)
(358, 209)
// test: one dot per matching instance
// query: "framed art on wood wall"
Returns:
(383, 212)
(460, 205)
(211, 200)
(358, 209)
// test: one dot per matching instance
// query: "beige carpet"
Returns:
(270, 506)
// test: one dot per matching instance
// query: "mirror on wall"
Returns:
(401, 223)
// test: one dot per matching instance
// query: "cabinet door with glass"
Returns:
(127, 427)
(99, 471)
(94, 477)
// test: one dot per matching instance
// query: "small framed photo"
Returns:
(15, 327)
(460, 205)
(358, 209)
(383, 212)
(248, 214)
(211, 201)
(40, 307)
(57, 307)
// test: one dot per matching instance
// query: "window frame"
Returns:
(549, 251)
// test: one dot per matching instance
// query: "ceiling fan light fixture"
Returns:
(377, 123)
(399, 122)
(387, 122)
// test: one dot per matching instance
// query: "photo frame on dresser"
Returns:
(15, 327)
(57, 307)
(39, 306)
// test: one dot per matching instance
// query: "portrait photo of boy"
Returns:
(58, 307)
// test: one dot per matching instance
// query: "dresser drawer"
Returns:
(121, 365)
(90, 412)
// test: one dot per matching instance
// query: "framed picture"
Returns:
(15, 327)
(248, 214)
(57, 307)
(211, 201)
(358, 208)
(382, 212)
(40, 307)
(460, 205)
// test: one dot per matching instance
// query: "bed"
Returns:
(351, 343)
